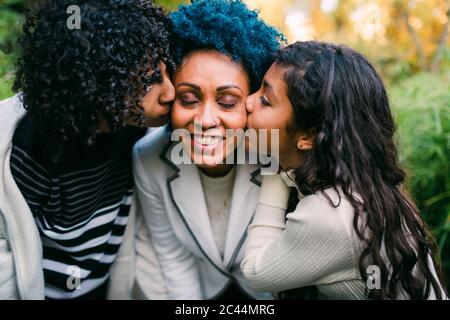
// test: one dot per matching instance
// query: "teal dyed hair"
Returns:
(230, 27)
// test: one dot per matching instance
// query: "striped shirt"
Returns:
(80, 208)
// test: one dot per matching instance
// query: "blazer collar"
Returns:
(187, 194)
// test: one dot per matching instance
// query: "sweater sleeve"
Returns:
(8, 289)
(122, 270)
(314, 246)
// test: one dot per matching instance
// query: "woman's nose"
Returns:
(208, 118)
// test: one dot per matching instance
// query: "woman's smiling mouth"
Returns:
(206, 142)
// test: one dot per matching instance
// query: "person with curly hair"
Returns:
(85, 96)
(197, 213)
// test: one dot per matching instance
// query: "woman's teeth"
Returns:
(207, 140)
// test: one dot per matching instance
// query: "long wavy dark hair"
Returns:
(69, 78)
(337, 94)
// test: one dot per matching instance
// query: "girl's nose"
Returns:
(168, 90)
(249, 103)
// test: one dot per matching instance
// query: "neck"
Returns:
(217, 171)
(290, 162)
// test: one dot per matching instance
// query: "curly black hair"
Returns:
(71, 78)
(229, 27)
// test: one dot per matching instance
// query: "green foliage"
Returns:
(5, 87)
(421, 105)
(10, 24)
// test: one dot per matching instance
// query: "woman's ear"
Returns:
(305, 141)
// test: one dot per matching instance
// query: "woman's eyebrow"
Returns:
(191, 85)
(231, 86)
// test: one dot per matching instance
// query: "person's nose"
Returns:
(249, 103)
(168, 91)
(207, 117)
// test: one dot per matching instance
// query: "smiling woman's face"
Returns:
(211, 91)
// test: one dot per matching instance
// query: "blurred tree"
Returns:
(424, 26)
(273, 12)
(14, 5)
(402, 36)
(10, 26)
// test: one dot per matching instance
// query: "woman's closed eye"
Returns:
(227, 102)
(187, 102)
(188, 99)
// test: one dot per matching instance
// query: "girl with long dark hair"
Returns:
(355, 233)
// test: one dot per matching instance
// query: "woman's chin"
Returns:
(208, 156)
(207, 162)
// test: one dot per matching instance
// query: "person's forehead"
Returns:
(276, 72)
(211, 67)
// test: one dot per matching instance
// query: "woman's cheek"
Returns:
(239, 119)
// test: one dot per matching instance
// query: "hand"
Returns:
(274, 192)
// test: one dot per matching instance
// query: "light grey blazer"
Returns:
(173, 204)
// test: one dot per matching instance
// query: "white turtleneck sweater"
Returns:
(218, 191)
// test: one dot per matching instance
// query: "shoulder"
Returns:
(150, 147)
(13, 100)
(327, 211)
(11, 111)
(11, 107)
(326, 201)
(148, 155)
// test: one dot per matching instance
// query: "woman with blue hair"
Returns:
(197, 214)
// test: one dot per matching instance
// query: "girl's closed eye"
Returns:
(264, 101)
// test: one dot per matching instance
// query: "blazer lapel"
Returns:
(243, 206)
(187, 195)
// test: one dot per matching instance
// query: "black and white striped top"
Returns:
(80, 208)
